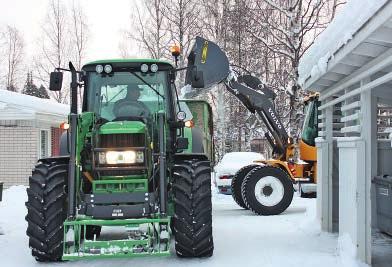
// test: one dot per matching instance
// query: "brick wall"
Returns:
(55, 142)
(18, 153)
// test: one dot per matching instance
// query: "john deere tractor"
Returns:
(133, 173)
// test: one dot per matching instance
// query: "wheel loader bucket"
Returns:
(207, 64)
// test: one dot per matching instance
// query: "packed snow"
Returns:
(241, 238)
(340, 31)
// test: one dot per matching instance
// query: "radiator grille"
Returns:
(121, 140)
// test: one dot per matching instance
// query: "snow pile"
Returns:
(341, 30)
(310, 223)
(31, 103)
(347, 252)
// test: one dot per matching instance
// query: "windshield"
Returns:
(124, 95)
(309, 130)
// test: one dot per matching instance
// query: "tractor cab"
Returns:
(128, 90)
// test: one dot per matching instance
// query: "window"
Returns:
(44, 144)
(309, 130)
(122, 94)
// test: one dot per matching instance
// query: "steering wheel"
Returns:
(138, 110)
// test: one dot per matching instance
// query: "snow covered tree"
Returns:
(287, 28)
(266, 38)
(13, 53)
(31, 89)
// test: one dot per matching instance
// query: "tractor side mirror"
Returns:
(182, 143)
(56, 81)
(194, 77)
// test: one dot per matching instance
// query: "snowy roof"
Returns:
(16, 106)
(361, 32)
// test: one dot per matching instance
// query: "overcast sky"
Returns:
(105, 19)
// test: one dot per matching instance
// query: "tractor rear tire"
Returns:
(192, 221)
(236, 184)
(267, 190)
(47, 210)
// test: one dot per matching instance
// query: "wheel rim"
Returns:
(269, 191)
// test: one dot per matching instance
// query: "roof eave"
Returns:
(382, 16)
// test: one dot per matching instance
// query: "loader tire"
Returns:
(236, 183)
(47, 210)
(267, 190)
(192, 221)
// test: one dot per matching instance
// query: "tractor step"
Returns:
(138, 237)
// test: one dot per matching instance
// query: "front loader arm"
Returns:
(259, 100)
(208, 65)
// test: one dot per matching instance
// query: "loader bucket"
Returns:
(207, 64)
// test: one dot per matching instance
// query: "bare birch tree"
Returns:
(54, 44)
(149, 31)
(13, 53)
(183, 24)
(80, 34)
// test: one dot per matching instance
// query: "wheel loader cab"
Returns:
(310, 126)
(307, 144)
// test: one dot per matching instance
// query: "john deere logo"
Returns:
(117, 213)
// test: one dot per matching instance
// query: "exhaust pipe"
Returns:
(162, 165)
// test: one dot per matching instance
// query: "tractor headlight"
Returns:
(121, 157)
(144, 68)
(108, 69)
(154, 68)
(99, 68)
(139, 157)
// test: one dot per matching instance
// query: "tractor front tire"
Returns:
(267, 190)
(46, 210)
(236, 184)
(192, 221)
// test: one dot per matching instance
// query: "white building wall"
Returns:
(18, 153)
(352, 193)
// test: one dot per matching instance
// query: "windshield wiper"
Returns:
(146, 83)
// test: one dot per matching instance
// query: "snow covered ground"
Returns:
(241, 238)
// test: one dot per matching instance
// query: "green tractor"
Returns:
(133, 173)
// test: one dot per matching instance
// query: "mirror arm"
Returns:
(180, 69)
(77, 71)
